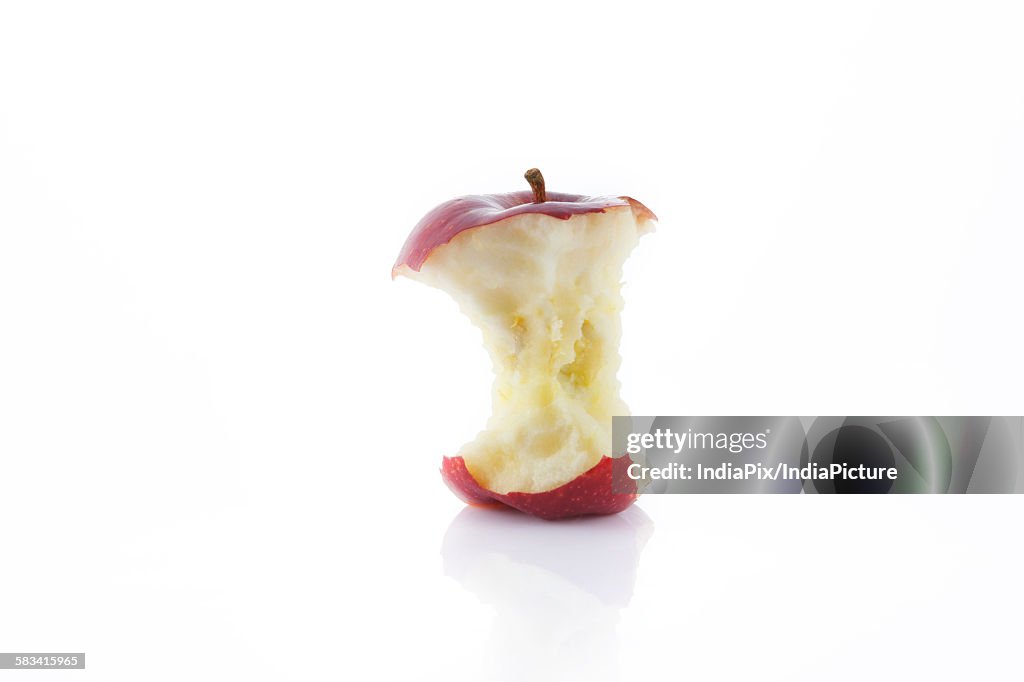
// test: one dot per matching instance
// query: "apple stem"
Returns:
(536, 181)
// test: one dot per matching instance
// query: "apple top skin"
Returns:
(451, 218)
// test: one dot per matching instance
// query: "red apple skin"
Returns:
(588, 494)
(454, 217)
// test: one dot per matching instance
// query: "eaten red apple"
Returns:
(540, 274)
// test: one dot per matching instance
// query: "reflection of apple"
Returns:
(557, 590)
(539, 274)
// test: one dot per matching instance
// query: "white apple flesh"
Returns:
(545, 294)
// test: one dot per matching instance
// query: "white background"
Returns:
(221, 422)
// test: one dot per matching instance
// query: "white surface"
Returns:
(220, 421)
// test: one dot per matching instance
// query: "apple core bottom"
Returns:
(588, 494)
